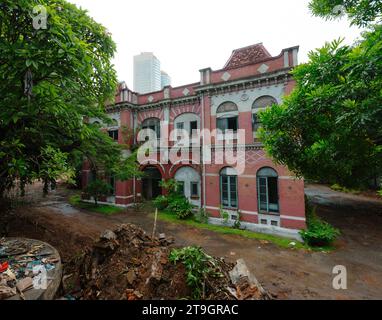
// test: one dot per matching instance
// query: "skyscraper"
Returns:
(165, 79)
(147, 74)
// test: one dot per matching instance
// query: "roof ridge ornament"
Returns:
(247, 55)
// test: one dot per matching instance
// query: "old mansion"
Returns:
(267, 197)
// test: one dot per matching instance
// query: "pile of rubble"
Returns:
(29, 269)
(128, 264)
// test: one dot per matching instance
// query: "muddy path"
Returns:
(286, 273)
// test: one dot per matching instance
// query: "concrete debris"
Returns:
(132, 265)
(108, 235)
(24, 284)
(162, 236)
(6, 292)
(25, 266)
(247, 286)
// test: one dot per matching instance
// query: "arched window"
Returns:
(260, 104)
(113, 129)
(267, 190)
(228, 188)
(153, 124)
(227, 116)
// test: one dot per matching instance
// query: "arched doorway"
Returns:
(150, 183)
(189, 182)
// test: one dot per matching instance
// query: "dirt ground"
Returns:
(285, 273)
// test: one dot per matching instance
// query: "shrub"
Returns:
(97, 189)
(180, 206)
(199, 266)
(161, 202)
(224, 215)
(319, 232)
(170, 185)
(237, 223)
(202, 216)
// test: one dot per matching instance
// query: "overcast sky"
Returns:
(187, 36)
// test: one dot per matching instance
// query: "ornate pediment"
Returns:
(248, 55)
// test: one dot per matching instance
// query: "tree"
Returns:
(97, 189)
(360, 12)
(51, 80)
(330, 127)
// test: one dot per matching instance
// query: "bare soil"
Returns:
(285, 273)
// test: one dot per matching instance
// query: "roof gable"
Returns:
(247, 55)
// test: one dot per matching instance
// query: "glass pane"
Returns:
(193, 125)
(262, 194)
(273, 194)
(180, 125)
(222, 124)
(232, 123)
(194, 189)
(181, 187)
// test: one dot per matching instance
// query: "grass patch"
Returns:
(106, 210)
(281, 242)
(337, 187)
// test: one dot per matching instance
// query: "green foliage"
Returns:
(72, 77)
(199, 266)
(319, 233)
(279, 241)
(360, 12)
(161, 202)
(97, 189)
(174, 202)
(202, 216)
(337, 187)
(330, 128)
(224, 215)
(170, 185)
(180, 205)
(106, 210)
(380, 192)
(237, 223)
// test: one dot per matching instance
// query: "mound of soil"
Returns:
(127, 264)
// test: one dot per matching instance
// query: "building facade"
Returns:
(147, 73)
(165, 79)
(265, 196)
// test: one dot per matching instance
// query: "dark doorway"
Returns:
(150, 183)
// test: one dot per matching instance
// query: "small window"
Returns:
(260, 104)
(227, 124)
(228, 188)
(256, 124)
(113, 134)
(193, 126)
(274, 223)
(153, 124)
(264, 221)
(181, 187)
(194, 189)
(180, 125)
(227, 107)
